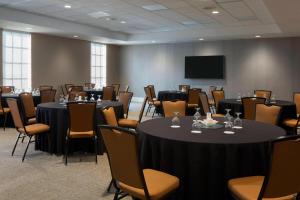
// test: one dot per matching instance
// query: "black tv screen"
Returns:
(206, 67)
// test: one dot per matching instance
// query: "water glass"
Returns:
(85, 98)
(175, 120)
(197, 114)
(238, 123)
(92, 97)
(273, 99)
(229, 126)
(239, 97)
(227, 114)
(196, 127)
(61, 98)
(99, 98)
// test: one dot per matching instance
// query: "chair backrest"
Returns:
(249, 106)
(193, 96)
(7, 89)
(108, 93)
(110, 116)
(76, 88)
(184, 88)
(47, 95)
(67, 87)
(174, 106)
(125, 99)
(73, 94)
(126, 88)
(81, 116)
(152, 90)
(27, 104)
(297, 101)
(116, 88)
(267, 114)
(15, 112)
(284, 174)
(45, 87)
(204, 102)
(89, 85)
(218, 95)
(123, 154)
(148, 93)
(263, 93)
(142, 109)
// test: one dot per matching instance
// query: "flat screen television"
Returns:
(205, 67)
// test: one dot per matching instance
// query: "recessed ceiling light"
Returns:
(29, 28)
(123, 22)
(153, 41)
(201, 39)
(215, 12)
(257, 36)
(98, 14)
(107, 18)
(67, 6)
(154, 7)
(75, 36)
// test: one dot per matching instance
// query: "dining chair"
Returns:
(24, 130)
(28, 109)
(204, 105)
(111, 118)
(210, 97)
(3, 111)
(7, 89)
(116, 88)
(126, 170)
(281, 181)
(193, 98)
(45, 87)
(294, 123)
(47, 95)
(89, 85)
(108, 93)
(217, 95)
(151, 101)
(67, 87)
(170, 107)
(126, 88)
(263, 93)
(152, 90)
(184, 88)
(73, 94)
(76, 88)
(267, 114)
(125, 99)
(249, 106)
(81, 124)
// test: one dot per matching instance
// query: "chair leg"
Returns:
(29, 141)
(66, 150)
(13, 151)
(5, 119)
(96, 149)
(117, 194)
(23, 139)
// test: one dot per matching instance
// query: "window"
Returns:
(98, 64)
(17, 59)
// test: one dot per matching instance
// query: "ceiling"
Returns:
(149, 21)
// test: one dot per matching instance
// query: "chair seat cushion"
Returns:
(6, 110)
(83, 134)
(129, 123)
(248, 188)
(217, 115)
(34, 129)
(191, 105)
(32, 121)
(159, 184)
(155, 103)
(290, 122)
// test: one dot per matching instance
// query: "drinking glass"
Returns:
(227, 114)
(197, 114)
(273, 99)
(99, 99)
(76, 97)
(92, 98)
(239, 97)
(238, 123)
(229, 126)
(175, 120)
(66, 98)
(85, 98)
(61, 98)
(196, 127)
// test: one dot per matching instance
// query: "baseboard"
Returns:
(137, 99)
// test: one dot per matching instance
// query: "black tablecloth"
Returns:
(56, 116)
(288, 109)
(9, 122)
(205, 162)
(169, 95)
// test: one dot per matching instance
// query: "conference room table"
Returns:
(5, 96)
(204, 162)
(288, 108)
(56, 116)
(169, 95)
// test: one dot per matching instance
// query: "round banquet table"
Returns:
(9, 121)
(288, 108)
(56, 116)
(169, 95)
(205, 162)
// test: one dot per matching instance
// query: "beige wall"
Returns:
(1, 61)
(57, 60)
(113, 64)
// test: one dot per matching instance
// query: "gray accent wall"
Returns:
(272, 64)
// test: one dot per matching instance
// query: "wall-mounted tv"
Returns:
(205, 67)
